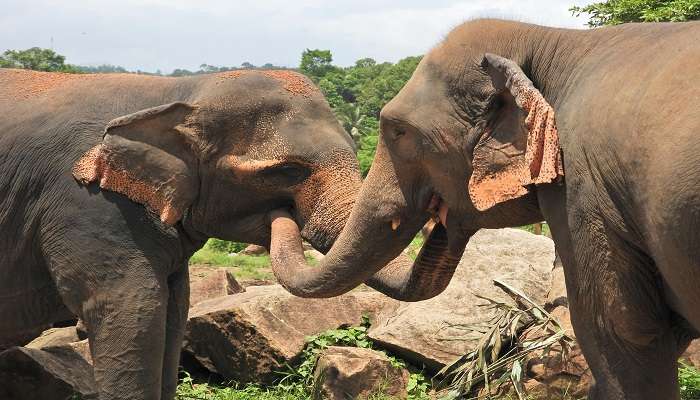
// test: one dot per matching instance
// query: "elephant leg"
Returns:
(619, 316)
(178, 305)
(618, 312)
(126, 326)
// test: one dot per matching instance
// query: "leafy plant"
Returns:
(37, 59)
(689, 382)
(614, 12)
(225, 246)
(497, 361)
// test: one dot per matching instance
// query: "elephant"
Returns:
(503, 123)
(109, 183)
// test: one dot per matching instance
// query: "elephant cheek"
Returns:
(324, 205)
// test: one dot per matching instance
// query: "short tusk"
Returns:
(442, 213)
(395, 223)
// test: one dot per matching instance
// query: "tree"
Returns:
(37, 59)
(316, 63)
(351, 117)
(614, 12)
(102, 69)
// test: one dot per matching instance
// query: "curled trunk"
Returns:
(352, 263)
(423, 279)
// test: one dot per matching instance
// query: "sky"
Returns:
(152, 35)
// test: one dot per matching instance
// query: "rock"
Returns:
(248, 336)
(691, 355)
(353, 373)
(557, 290)
(254, 250)
(55, 337)
(428, 332)
(207, 283)
(555, 376)
(52, 373)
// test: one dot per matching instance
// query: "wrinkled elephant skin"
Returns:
(109, 183)
(595, 131)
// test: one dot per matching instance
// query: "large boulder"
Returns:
(59, 373)
(432, 332)
(55, 337)
(254, 250)
(249, 336)
(691, 355)
(353, 373)
(208, 283)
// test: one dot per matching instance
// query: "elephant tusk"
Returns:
(434, 203)
(395, 223)
(442, 213)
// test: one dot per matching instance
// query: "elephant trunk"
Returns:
(427, 277)
(368, 243)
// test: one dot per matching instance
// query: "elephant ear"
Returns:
(521, 147)
(148, 156)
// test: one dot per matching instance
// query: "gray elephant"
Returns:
(505, 124)
(109, 183)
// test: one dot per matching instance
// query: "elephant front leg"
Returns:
(126, 327)
(178, 305)
(619, 317)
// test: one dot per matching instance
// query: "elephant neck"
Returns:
(552, 58)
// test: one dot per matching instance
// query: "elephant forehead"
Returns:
(291, 81)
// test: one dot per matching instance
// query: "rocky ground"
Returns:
(249, 332)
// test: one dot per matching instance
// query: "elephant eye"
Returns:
(398, 133)
(286, 174)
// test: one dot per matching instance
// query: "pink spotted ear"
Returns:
(522, 148)
(149, 157)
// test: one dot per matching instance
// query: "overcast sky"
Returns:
(167, 34)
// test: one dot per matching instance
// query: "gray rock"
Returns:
(55, 337)
(210, 282)
(52, 373)
(353, 373)
(253, 250)
(248, 336)
(432, 332)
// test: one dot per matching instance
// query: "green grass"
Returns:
(689, 381)
(244, 267)
(216, 254)
(531, 229)
(414, 248)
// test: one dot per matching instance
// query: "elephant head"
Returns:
(468, 138)
(237, 146)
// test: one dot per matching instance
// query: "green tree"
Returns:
(375, 93)
(614, 12)
(102, 69)
(316, 63)
(37, 59)
(357, 93)
(351, 117)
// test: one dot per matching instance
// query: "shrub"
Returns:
(224, 246)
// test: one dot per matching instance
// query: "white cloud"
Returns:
(167, 34)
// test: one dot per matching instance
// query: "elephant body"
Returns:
(595, 131)
(109, 183)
